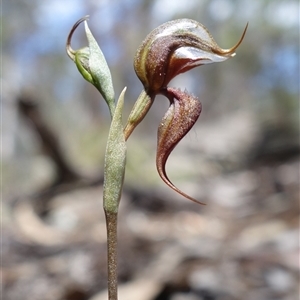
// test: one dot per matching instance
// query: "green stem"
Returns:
(112, 282)
(114, 170)
(138, 112)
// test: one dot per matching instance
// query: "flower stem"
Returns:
(114, 170)
(139, 111)
(111, 225)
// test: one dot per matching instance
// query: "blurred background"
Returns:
(241, 157)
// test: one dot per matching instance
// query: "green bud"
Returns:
(82, 63)
(92, 65)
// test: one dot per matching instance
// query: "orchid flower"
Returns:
(171, 49)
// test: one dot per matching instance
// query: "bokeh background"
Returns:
(241, 157)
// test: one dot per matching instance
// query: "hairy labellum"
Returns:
(182, 114)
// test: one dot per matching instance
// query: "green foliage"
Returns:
(115, 160)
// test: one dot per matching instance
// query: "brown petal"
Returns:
(178, 120)
(176, 47)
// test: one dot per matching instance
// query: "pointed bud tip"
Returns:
(70, 51)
